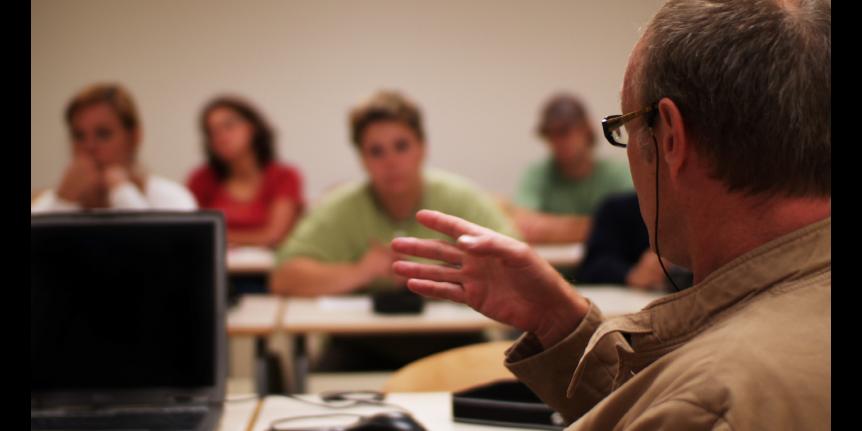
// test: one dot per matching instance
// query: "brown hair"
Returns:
(262, 141)
(385, 106)
(564, 111)
(115, 95)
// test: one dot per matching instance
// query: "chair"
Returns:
(453, 370)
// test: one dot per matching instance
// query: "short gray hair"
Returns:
(753, 81)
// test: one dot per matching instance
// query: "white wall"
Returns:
(480, 69)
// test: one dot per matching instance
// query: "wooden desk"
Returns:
(432, 409)
(250, 260)
(561, 255)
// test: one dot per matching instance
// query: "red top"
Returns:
(279, 180)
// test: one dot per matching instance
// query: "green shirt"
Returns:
(342, 227)
(544, 189)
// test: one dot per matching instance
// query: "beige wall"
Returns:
(480, 70)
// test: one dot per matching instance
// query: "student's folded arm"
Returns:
(127, 196)
(541, 228)
(282, 217)
(571, 228)
(303, 276)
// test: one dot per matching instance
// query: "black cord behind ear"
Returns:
(655, 231)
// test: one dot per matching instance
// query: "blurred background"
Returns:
(480, 70)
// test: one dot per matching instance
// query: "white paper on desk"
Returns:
(251, 256)
(344, 303)
(561, 252)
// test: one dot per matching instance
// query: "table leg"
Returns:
(261, 368)
(300, 363)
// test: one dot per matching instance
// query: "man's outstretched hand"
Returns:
(497, 276)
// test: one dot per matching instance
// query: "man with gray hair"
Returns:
(727, 127)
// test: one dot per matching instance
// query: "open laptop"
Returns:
(127, 320)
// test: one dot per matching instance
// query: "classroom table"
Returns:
(561, 255)
(258, 316)
(239, 412)
(431, 409)
(353, 315)
(250, 260)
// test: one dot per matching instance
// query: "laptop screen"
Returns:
(122, 305)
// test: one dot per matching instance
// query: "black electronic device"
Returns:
(400, 301)
(504, 403)
(127, 320)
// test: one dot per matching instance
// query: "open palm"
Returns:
(498, 276)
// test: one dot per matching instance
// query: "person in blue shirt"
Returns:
(618, 250)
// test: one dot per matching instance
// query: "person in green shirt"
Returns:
(558, 195)
(342, 245)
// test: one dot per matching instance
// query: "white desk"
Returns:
(561, 255)
(255, 315)
(238, 415)
(432, 409)
(617, 300)
(250, 260)
(353, 315)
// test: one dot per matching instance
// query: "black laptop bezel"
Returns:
(162, 396)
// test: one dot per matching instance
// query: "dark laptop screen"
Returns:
(122, 306)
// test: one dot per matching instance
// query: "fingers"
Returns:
(426, 271)
(447, 224)
(428, 249)
(438, 290)
(514, 253)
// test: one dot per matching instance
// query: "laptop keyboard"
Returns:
(126, 421)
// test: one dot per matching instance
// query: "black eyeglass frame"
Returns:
(612, 123)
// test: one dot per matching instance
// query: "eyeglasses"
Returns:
(612, 125)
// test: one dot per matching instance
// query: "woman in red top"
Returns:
(260, 198)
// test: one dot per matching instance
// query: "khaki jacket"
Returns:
(748, 348)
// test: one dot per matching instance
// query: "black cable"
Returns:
(349, 403)
(655, 233)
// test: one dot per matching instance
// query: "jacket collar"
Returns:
(675, 318)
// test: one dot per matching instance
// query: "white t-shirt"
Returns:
(159, 194)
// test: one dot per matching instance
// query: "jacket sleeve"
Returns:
(549, 372)
(678, 414)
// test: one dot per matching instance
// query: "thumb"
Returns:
(513, 252)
